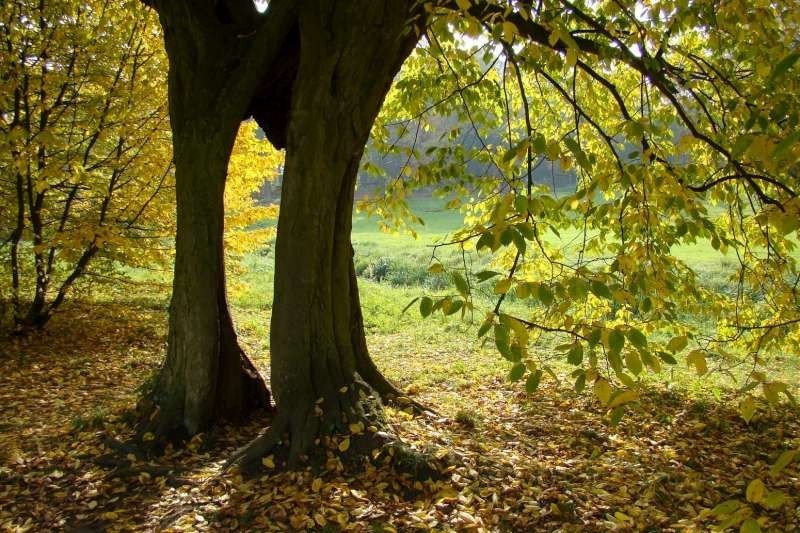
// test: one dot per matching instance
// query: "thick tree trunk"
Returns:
(206, 376)
(322, 377)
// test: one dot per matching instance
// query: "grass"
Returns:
(393, 270)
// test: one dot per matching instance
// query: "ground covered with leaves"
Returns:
(543, 462)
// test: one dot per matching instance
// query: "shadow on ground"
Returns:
(527, 463)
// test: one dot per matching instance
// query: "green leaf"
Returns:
(516, 150)
(633, 362)
(782, 462)
(667, 358)
(755, 491)
(616, 341)
(650, 362)
(519, 241)
(637, 338)
(575, 355)
(425, 306)
(580, 382)
(533, 380)
(600, 290)
(726, 508)
(545, 295)
(517, 371)
(521, 204)
(626, 379)
(461, 284)
(454, 307)
(614, 360)
(486, 274)
(774, 500)
(506, 236)
(616, 415)
(782, 66)
(526, 230)
(594, 336)
(486, 240)
(750, 526)
(502, 340)
(786, 143)
(577, 151)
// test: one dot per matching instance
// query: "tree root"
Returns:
(310, 448)
(248, 457)
(387, 390)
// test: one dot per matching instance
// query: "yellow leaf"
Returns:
(446, 493)
(502, 286)
(747, 408)
(625, 397)
(436, 268)
(268, 461)
(572, 56)
(772, 391)
(602, 390)
(676, 344)
(147, 437)
(697, 359)
(509, 30)
(357, 427)
(463, 5)
(555, 35)
(344, 445)
(755, 491)
(316, 485)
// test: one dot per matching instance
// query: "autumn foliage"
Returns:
(88, 184)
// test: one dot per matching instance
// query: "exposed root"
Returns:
(155, 428)
(387, 391)
(248, 457)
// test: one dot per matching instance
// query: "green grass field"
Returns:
(393, 270)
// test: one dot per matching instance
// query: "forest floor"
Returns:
(542, 462)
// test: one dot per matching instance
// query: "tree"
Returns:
(314, 75)
(86, 180)
(87, 183)
(678, 132)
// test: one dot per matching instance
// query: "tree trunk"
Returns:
(322, 377)
(206, 376)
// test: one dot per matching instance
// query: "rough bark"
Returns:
(206, 376)
(349, 54)
(334, 62)
(216, 52)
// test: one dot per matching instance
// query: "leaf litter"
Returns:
(542, 462)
